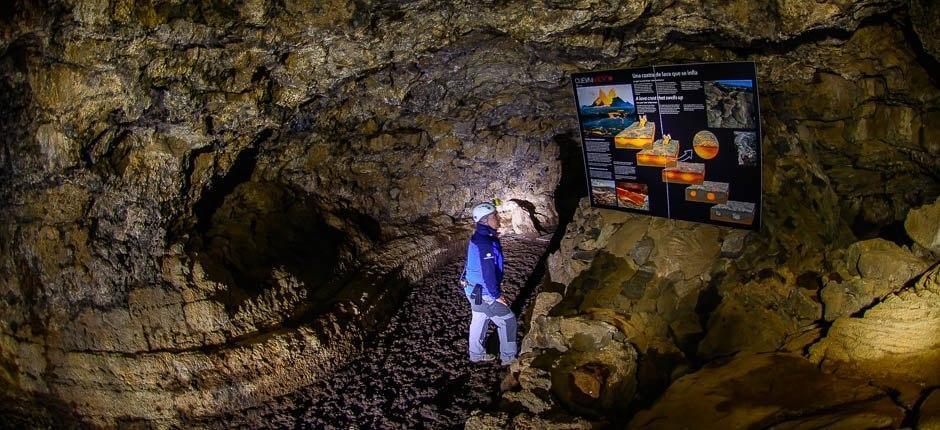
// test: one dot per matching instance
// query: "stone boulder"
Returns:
(873, 268)
(588, 365)
(759, 316)
(768, 391)
(894, 343)
(923, 226)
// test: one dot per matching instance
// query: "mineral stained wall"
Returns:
(208, 204)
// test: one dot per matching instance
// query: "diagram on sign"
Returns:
(746, 143)
(685, 173)
(730, 103)
(662, 153)
(603, 192)
(732, 211)
(707, 192)
(638, 135)
(678, 141)
(705, 144)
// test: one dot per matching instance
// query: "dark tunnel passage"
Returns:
(262, 228)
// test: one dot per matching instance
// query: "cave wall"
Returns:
(151, 151)
(825, 318)
(211, 203)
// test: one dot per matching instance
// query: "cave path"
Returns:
(414, 372)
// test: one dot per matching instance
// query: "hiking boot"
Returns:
(486, 358)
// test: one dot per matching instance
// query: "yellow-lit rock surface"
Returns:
(768, 390)
(895, 343)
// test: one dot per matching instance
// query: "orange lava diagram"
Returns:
(638, 135)
(663, 153)
(633, 195)
(707, 192)
(705, 144)
(685, 173)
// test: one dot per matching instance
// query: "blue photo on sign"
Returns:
(743, 83)
(606, 109)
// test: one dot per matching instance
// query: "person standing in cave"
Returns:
(481, 281)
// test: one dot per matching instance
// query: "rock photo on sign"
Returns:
(730, 103)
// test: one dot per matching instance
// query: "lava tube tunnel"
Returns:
(405, 214)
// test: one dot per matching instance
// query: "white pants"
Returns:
(505, 321)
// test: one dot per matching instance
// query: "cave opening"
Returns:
(265, 230)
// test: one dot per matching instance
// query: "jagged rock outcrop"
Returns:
(769, 310)
(923, 226)
(894, 343)
(767, 332)
(871, 270)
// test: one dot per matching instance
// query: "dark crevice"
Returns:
(745, 48)
(264, 228)
(572, 185)
(930, 64)
(893, 231)
(241, 171)
(912, 415)
(708, 300)
(878, 300)
(529, 207)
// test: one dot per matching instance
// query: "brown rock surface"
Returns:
(873, 269)
(208, 205)
(759, 316)
(768, 390)
(923, 226)
(929, 412)
(895, 343)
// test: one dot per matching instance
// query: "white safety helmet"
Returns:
(481, 210)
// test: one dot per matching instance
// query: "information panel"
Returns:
(679, 141)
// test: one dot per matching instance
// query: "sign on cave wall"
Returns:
(679, 141)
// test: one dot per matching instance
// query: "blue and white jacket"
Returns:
(484, 263)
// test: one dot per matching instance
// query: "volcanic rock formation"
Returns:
(210, 205)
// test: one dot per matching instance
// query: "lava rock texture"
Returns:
(211, 205)
(415, 372)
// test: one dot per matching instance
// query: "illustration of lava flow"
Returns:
(685, 173)
(632, 195)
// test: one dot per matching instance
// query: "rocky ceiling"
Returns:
(170, 169)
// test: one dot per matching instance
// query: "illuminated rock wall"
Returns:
(208, 204)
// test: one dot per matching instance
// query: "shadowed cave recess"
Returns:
(250, 213)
